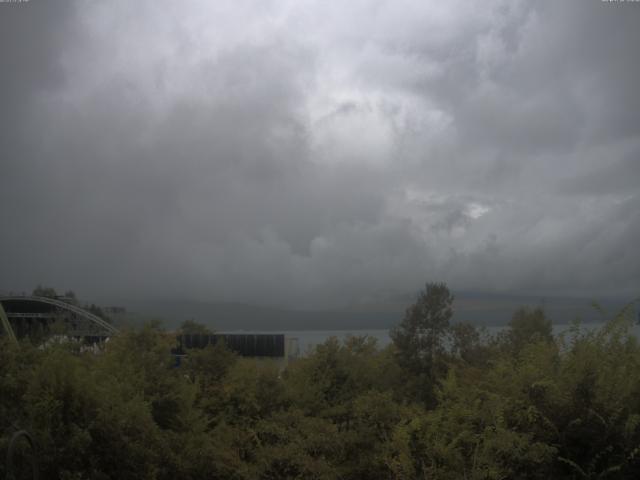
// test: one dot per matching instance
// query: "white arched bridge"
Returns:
(21, 314)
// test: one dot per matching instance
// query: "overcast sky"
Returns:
(319, 154)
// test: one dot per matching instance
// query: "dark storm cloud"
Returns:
(313, 155)
(618, 177)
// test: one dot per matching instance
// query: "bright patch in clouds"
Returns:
(476, 210)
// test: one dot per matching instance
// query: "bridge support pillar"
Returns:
(4, 320)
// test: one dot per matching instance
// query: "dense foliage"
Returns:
(523, 404)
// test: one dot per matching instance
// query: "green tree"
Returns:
(528, 325)
(41, 291)
(70, 297)
(420, 338)
(467, 343)
(191, 327)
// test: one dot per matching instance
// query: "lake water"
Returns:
(308, 339)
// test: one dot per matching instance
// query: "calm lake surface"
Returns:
(308, 339)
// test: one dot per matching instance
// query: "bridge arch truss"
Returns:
(94, 324)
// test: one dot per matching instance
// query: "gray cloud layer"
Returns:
(315, 154)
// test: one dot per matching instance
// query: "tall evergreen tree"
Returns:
(419, 338)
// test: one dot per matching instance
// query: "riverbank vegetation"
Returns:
(442, 401)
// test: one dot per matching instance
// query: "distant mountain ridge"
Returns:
(479, 309)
